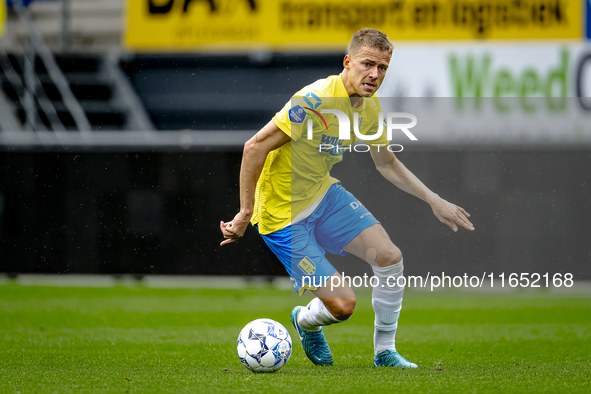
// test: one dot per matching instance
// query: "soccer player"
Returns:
(286, 192)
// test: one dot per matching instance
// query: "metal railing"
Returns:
(31, 95)
(40, 112)
(137, 117)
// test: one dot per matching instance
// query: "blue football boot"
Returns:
(391, 358)
(313, 342)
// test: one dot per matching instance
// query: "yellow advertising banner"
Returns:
(288, 24)
(2, 17)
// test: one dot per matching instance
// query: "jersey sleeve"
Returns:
(281, 119)
(292, 118)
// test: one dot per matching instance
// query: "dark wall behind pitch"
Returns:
(123, 213)
(160, 212)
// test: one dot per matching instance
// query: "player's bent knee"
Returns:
(391, 256)
(344, 308)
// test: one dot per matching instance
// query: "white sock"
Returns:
(315, 315)
(386, 302)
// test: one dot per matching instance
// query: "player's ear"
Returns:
(346, 61)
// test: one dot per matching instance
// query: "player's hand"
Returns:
(452, 215)
(234, 229)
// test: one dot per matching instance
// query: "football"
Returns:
(264, 345)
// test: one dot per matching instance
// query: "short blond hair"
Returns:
(370, 38)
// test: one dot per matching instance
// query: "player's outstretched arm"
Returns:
(255, 153)
(393, 170)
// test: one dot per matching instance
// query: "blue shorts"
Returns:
(301, 247)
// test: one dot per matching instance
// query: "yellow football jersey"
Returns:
(296, 174)
(2, 17)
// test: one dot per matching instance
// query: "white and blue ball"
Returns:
(264, 345)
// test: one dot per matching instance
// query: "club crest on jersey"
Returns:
(307, 266)
(297, 114)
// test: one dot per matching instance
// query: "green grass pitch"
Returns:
(138, 339)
